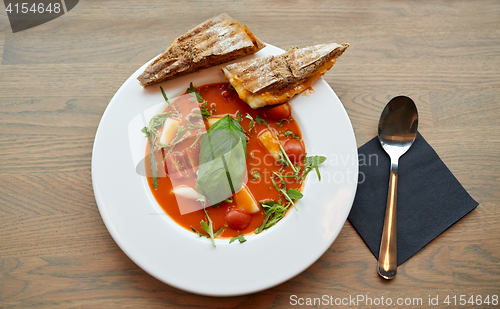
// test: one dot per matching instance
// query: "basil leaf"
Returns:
(222, 161)
(212, 182)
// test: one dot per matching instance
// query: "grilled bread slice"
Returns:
(217, 40)
(276, 79)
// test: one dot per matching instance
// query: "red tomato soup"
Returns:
(261, 163)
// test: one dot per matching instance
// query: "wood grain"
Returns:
(57, 79)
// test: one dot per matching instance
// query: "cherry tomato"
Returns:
(227, 94)
(237, 220)
(279, 112)
(295, 150)
(175, 165)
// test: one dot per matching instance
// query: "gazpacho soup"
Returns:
(221, 169)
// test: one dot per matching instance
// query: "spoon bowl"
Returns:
(397, 130)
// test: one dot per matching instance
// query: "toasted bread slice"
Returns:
(276, 79)
(217, 40)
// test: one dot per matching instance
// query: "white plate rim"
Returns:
(137, 227)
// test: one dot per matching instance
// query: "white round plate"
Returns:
(179, 257)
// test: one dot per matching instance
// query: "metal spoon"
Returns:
(397, 129)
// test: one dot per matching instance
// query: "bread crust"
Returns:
(215, 41)
(275, 79)
(272, 73)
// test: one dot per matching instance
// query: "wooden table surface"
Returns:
(57, 79)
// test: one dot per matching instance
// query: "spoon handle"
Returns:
(387, 259)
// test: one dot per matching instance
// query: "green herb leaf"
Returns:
(280, 123)
(230, 87)
(198, 233)
(290, 133)
(164, 95)
(287, 159)
(283, 190)
(294, 194)
(240, 238)
(314, 161)
(238, 117)
(274, 212)
(311, 163)
(168, 102)
(255, 175)
(195, 94)
(209, 228)
(152, 158)
(268, 204)
(219, 231)
(260, 120)
(251, 125)
(204, 111)
(145, 131)
(222, 160)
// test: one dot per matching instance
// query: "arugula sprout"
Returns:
(260, 120)
(168, 102)
(230, 87)
(164, 95)
(151, 132)
(286, 193)
(198, 135)
(178, 135)
(274, 212)
(205, 113)
(155, 123)
(178, 139)
(280, 123)
(196, 123)
(152, 158)
(209, 228)
(198, 233)
(195, 94)
(311, 163)
(146, 131)
(252, 123)
(294, 194)
(238, 117)
(290, 133)
(255, 175)
(240, 238)
(287, 159)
